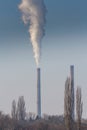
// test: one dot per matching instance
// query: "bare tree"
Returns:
(79, 106)
(30, 116)
(14, 110)
(68, 105)
(21, 109)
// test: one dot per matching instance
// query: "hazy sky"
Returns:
(65, 43)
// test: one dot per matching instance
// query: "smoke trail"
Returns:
(33, 13)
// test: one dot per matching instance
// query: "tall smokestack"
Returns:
(72, 74)
(38, 94)
(72, 88)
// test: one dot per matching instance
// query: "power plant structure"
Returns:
(72, 88)
(38, 93)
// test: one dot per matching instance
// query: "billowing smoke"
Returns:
(33, 14)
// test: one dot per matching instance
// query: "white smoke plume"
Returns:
(33, 14)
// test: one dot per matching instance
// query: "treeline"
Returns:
(22, 120)
(46, 123)
(69, 106)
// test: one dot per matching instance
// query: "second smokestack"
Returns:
(72, 88)
(38, 93)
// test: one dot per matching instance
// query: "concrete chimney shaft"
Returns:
(38, 93)
(72, 74)
(72, 89)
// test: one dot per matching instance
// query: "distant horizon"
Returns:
(64, 44)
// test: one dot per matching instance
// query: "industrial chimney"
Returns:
(38, 94)
(72, 74)
(72, 88)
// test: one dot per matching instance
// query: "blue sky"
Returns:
(65, 43)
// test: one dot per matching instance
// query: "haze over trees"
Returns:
(20, 119)
(21, 109)
(79, 107)
(68, 105)
(14, 110)
(18, 109)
